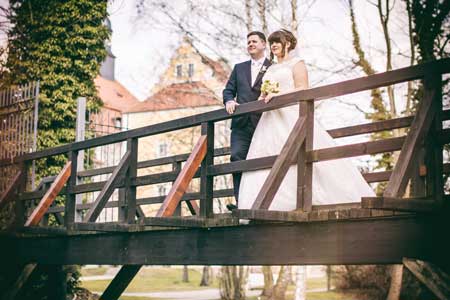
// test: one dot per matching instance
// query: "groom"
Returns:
(244, 85)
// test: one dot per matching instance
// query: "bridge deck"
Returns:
(336, 236)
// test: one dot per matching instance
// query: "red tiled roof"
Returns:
(114, 94)
(178, 95)
(221, 71)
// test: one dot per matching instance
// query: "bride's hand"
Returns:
(262, 97)
(268, 97)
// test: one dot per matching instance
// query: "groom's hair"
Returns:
(261, 35)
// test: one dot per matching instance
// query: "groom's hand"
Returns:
(230, 106)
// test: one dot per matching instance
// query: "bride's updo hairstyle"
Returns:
(282, 36)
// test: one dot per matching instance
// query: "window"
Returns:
(179, 71)
(162, 149)
(162, 190)
(118, 122)
(191, 70)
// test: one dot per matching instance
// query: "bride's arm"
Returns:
(300, 76)
(301, 82)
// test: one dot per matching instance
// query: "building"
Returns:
(191, 84)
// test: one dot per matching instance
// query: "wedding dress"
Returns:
(334, 181)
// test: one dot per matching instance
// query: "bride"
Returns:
(335, 181)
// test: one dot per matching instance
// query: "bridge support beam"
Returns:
(384, 240)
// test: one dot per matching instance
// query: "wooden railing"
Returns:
(425, 133)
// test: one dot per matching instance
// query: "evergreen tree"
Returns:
(61, 44)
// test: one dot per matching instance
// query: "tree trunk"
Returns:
(206, 279)
(268, 282)
(279, 291)
(396, 282)
(248, 13)
(300, 283)
(185, 274)
(232, 282)
(294, 21)
(262, 15)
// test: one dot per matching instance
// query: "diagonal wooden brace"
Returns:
(5, 197)
(184, 178)
(418, 130)
(281, 166)
(108, 189)
(49, 196)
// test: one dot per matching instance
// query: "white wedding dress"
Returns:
(334, 181)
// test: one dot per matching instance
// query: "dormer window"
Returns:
(118, 122)
(191, 70)
(162, 149)
(179, 69)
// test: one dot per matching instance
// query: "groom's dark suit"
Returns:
(239, 88)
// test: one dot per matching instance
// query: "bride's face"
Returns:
(277, 48)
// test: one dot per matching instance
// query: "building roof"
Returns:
(221, 71)
(178, 95)
(114, 94)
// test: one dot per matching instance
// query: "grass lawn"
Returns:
(155, 280)
(93, 271)
(332, 295)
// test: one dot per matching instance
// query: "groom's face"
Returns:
(255, 45)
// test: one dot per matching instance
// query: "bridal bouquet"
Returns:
(270, 87)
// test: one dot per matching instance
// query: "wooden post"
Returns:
(304, 168)
(206, 182)
(132, 147)
(433, 157)
(176, 167)
(71, 198)
(80, 132)
(20, 204)
(57, 283)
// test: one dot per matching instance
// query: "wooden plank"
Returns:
(373, 147)
(7, 194)
(418, 130)
(271, 215)
(150, 200)
(19, 283)
(281, 165)
(191, 222)
(108, 189)
(319, 93)
(181, 183)
(120, 282)
(431, 276)
(50, 196)
(108, 227)
(400, 204)
(152, 163)
(371, 127)
(292, 243)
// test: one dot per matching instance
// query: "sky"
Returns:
(143, 50)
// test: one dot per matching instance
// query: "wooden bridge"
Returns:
(379, 230)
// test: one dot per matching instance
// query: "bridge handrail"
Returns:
(314, 94)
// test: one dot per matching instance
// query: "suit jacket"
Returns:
(239, 88)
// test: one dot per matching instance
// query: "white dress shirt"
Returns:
(256, 66)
